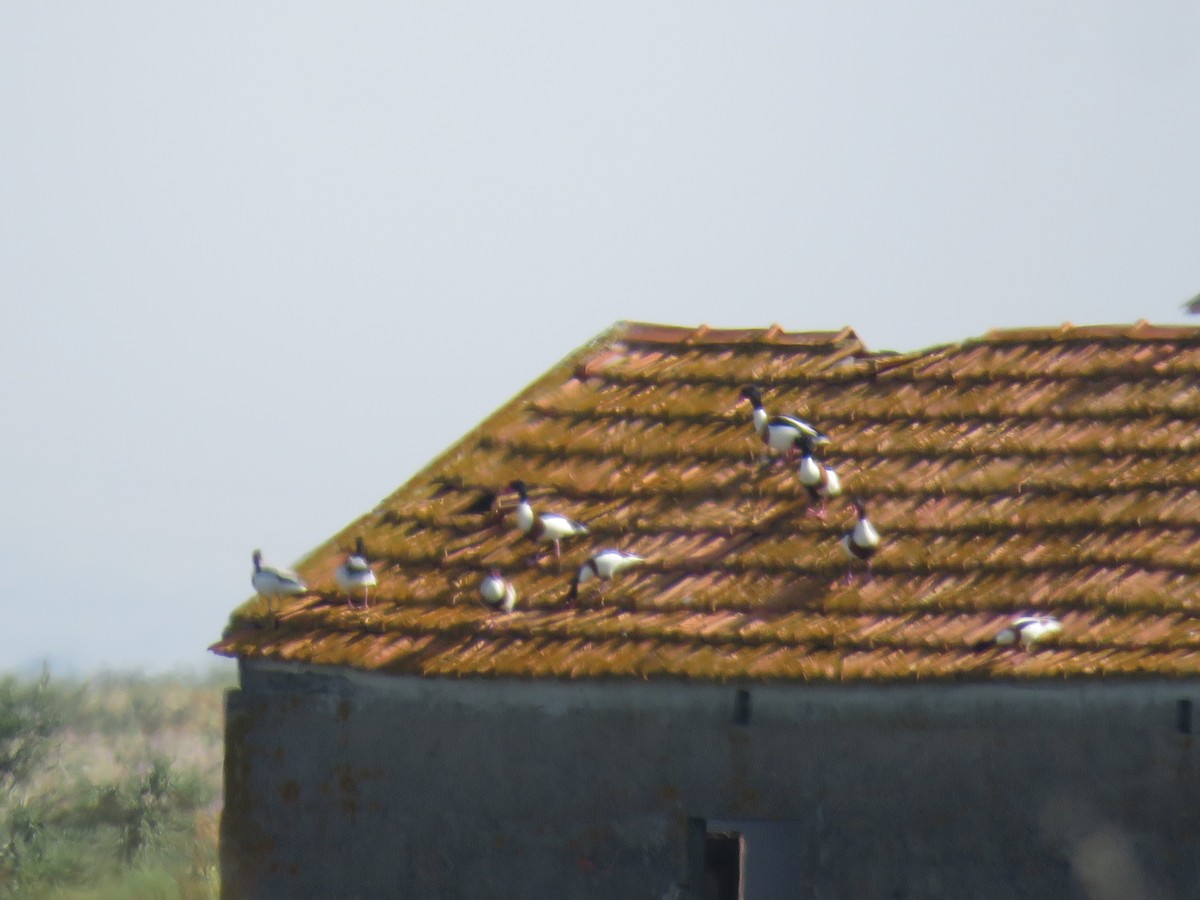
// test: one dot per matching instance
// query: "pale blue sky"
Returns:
(260, 262)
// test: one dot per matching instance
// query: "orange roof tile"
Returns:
(1041, 470)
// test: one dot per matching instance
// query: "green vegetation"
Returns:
(110, 788)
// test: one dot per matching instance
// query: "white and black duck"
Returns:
(818, 479)
(1029, 631)
(355, 574)
(861, 542)
(543, 528)
(603, 566)
(778, 432)
(272, 582)
(498, 592)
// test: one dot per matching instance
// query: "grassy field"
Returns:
(110, 787)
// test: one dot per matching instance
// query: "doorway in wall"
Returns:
(750, 859)
(724, 852)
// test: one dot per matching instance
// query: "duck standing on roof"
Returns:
(1029, 631)
(819, 480)
(861, 541)
(498, 592)
(603, 566)
(779, 433)
(355, 573)
(272, 582)
(545, 528)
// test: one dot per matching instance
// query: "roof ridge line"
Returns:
(702, 334)
(1141, 330)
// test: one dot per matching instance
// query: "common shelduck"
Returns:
(356, 573)
(272, 582)
(861, 541)
(779, 433)
(497, 592)
(1029, 631)
(819, 480)
(546, 528)
(603, 566)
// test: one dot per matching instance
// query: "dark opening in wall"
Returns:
(1183, 717)
(741, 707)
(724, 852)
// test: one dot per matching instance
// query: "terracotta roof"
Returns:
(1041, 470)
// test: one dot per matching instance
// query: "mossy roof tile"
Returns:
(1042, 470)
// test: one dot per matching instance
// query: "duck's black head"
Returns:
(257, 557)
(358, 546)
(520, 488)
(753, 394)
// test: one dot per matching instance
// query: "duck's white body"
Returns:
(604, 566)
(498, 592)
(862, 542)
(864, 535)
(822, 482)
(272, 582)
(781, 433)
(1029, 630)
(354, 573)
(547, 527)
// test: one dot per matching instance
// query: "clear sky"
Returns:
(260, 262)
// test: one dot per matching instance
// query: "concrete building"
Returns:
(734, 717)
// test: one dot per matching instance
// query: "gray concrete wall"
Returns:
(348, 785)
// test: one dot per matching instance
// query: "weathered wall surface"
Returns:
(347, 785)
